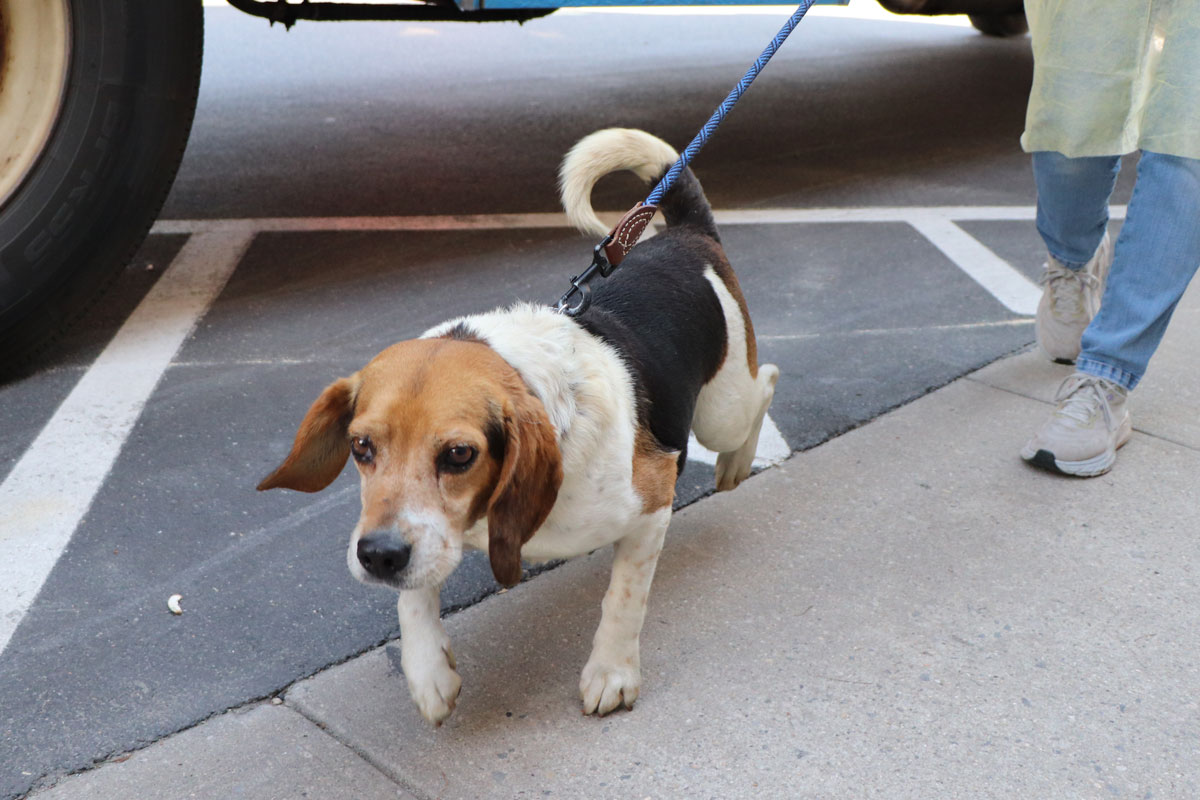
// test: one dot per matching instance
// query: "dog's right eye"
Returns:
(363, 449)
(458, 458)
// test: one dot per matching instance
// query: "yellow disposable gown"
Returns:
(1114, 76)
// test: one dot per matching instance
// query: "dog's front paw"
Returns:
(434, 685)
(604, 686)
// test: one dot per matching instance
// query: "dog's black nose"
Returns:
(383, 554)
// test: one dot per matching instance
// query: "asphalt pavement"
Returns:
(350, 185)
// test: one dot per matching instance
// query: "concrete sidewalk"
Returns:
(907, 611)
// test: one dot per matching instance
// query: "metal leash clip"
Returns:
(582, 283)
(606, 257)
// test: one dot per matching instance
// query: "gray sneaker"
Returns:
(1083, 434)
(1069, 301)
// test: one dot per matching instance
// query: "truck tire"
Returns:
(96, 103)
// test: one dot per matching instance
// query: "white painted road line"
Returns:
(430, 222)
(961, 326)
(457, 222)
(794, 216)
(772, 447)
(936, 223)
(50, 489)
(1019, 294)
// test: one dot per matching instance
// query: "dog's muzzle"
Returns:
(384, 555)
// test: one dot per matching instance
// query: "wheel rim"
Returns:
(35, 47)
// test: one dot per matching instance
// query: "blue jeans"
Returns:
(1156, 254)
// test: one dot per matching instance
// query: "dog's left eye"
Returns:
(458, 457)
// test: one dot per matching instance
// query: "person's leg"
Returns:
(1157, 254)
(1072, 218)
(1072, 203)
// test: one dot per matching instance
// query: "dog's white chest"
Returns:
(588, 396)
(596, 505)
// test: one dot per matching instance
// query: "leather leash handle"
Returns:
(626, 233)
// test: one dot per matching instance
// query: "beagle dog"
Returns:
(536, 435)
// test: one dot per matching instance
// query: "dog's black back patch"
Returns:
(686, 205)
(663, 317)
(462, 332)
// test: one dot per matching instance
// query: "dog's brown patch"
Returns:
(654, 472)
(528, 483)
(321, 446)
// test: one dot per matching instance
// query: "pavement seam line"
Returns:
(352, 750)
(381, 768)
(982, 382)
(1141, 431)
(1162, 438)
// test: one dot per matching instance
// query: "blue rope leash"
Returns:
(718, 116)
(607, 255)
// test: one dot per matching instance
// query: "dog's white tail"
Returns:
(600, 153)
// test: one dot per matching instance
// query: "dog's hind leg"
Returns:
(613, 674)
(733, 466)
(731, 406)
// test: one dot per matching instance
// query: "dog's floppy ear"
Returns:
(322, 445)
(526, 487)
